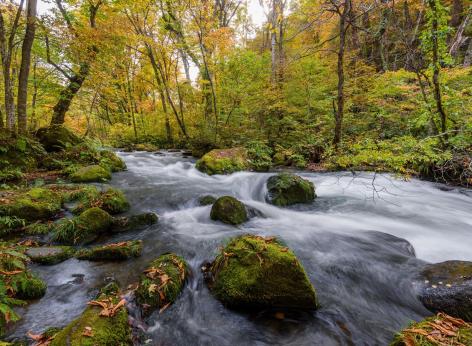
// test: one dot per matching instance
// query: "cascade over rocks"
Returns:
(286, 189)
(229, 210)
(258, 272)
(447, 287)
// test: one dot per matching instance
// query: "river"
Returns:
(351, 241)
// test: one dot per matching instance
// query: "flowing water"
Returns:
(354, 242)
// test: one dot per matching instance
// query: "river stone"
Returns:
(112, 252)
(90, 174)
(50, 255)
(91, 328)
(447, 287)
(207, 200)
(223, 161)
(162, 282)
(229, 210)
(129, 223)
(287, 189)
(257, 272)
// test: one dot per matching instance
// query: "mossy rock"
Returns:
(111, 161)
(105, 331)
(129, 223)
(256, 272)
(423, 333)
(84, 228)
(112, 201)
(27, 286)
(207, 200)
(18, 153)
(229, 210)
(90, 174)
(162, 282)
(149, 147)
(57, 138)
(35, 204)
(447, 287)
(288, 189)
(224, 161)
(112, 252)
(50, 255)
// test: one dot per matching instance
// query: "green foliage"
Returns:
(10, 223)
(260, 155)
(404, 155)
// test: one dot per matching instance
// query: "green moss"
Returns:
(162, 282)
(89, 174)
(50, 255)
(411, 337)
(145, 147)
(125, 224)
(37, 228)
(27, 286)
(106, 331)
(35, 204)
(112, 201)
(112, 252)
(82, 229)
(207, 200)
(111, 161)
(56, 138)
(229, 210)
(287, 189)
(223, 161)
(257, 272)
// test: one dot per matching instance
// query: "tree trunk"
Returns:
(25, 65)
(340, 70)
(68, 93)
(468, 54)
(437, 67)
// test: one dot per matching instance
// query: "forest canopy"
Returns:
(324, 84)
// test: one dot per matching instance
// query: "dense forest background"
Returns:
(323, 84)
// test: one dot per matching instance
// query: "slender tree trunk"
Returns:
(468, 54)
(6, 51)
(68, 93)
(338, 129)
(25, 65)
(437, 67)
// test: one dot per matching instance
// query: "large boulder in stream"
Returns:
(57, 138)
(91, 174)
(287, 189)
(257, 272)
(438, 330)
(162, 282)
(224, 161)
(97, 325)
(229, 210)
(447, 287)
(82, 229)
(113, 201)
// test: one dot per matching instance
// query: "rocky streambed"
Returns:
(360, 255)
